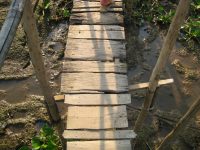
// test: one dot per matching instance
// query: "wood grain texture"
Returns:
(81, 10)
(96, 117)
(94, 66)
(146, 85)
(93, 82)
(97, 18)
(105, 35)
(93, 4)
(99, 135)
(97, 99)
(82, 49)
(96, 28)
(100, 145)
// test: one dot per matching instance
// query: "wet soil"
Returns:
(18, 119)
(143, 47)
(20, 111)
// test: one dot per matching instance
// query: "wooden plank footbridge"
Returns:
(94, 79)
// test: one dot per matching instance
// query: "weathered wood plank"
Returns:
(105, 35)
(82, 49)
(96, 28)
(81, 10)
(93, 4)
(96, 18)
(94, 82)
(97, 99)
(96, 117)
(94, 66)
(99, 135)
(146, 85)
(99, 145)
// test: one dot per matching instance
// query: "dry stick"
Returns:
(29, 25)
(181, 124)
(169, 42)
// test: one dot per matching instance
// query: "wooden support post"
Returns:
(181, 124)
(29, 25)
(169, 42)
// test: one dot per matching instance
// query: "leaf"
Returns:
(65, 12)
(36, 143)
(24, 148)
(52, 145)
(46, 131)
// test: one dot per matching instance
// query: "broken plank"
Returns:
(99, 145)
(94, 66)
(97, 99)
(93, 4)
(97, 18)
(103, 50)
(94, 82)
(96, 28)
(96, 117)
(105, 35)
(99, 135)
(81, 10)
(146, 85)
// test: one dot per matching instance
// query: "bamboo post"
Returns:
(29, 25)
(9, 28)
(181, 124)
(169, 42)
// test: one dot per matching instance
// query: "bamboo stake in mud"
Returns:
(29, 25)
(169, 42)
(181, 124)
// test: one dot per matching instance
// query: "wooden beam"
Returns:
(146, 85)
(30, 28)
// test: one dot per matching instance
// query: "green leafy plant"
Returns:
(46, 140)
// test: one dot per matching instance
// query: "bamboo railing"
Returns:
(22, 10)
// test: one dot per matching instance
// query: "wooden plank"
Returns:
(94, 66)
(93, 82)
(96, 117)
(59, 97)
(81, 10)
(99, 135)
(97, 99)
(146, 85)
(103, 50)
(105, 35)
(96, 18)
(99, 145)
(93, 4)
(96, 28)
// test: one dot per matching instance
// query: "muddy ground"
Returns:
(18, 84)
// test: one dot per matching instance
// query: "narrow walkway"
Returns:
(94, 79)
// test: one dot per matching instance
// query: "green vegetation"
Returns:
(46, 140)
(53, 10)
(161, 13)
